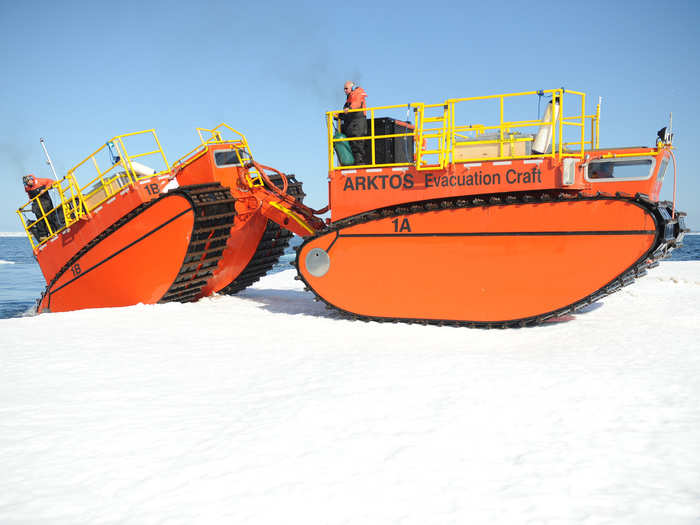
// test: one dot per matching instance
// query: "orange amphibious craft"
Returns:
(134, 234)
(507, 223)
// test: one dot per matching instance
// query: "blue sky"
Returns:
(78, 73)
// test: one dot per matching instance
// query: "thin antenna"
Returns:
(669, 135)
(48, 158)
(597, 123)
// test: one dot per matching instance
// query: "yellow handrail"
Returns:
(123, 170)
(451, 142)
(48, 223)
(75, 202)
(332, 115)
(217, 137)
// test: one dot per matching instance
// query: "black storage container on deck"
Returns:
(394, 149)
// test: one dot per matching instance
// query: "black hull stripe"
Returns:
(502, 234)
(154, 230)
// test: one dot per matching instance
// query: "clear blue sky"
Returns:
(79, 72)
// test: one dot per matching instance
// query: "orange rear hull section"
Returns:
(240, 247)
(128, 267)
(485, 264)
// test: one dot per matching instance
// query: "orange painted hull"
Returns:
(136, 263)
(478, 264)
(240, 247)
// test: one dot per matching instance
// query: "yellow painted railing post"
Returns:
(127, 163)
(553, 124)
(597, 126)
(450, 132)
(371, 132)
(583, 124)
(443, 135)
(449, 157)
(26, 228)
(561, 122)
(162, 153)
(43, 216)
(419, 128)
(500, 128)
(64, 205)
(331, 140)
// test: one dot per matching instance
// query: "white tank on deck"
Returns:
(543, 139)
(141, 170)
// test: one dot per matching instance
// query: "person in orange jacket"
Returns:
(354, 124)
(42, 206)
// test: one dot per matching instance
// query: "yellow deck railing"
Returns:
(441, 138)
(117, 167)
(67, 207)
(216, 136)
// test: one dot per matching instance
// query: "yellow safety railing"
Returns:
(116, 167)
(123, 168)
(440, 138)
(216, 136)
(372, 138)
(42, 221)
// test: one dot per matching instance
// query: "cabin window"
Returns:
(225, 158)
(620, 169)
(662, 168)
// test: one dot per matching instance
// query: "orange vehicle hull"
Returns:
(127, 266)
(240, 248)
(481, 265)
(255, 241)
(209, 231)
(498, 229)
(355, 191)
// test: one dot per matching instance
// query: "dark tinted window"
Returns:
(620, 169)
(226, 158)
(229, 158)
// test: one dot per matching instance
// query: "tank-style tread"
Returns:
(214, 214)
(670, 236)
(272, 244)
(215, 211)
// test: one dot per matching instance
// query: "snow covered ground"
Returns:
(266, 408)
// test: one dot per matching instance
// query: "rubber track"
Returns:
(108, 231)
(214, 208)
(670, 234)
(274, 241)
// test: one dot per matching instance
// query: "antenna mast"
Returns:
(48, 158)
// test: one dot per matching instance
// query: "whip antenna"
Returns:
(48, 158)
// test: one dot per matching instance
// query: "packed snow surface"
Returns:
(267, 408)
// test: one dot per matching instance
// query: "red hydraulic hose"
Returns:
(261, 169)
(283, 192)
(673, 209)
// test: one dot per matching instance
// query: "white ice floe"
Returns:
(267, 408)
(2, 261)
(13, 234)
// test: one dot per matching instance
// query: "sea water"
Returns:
(21, 281)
